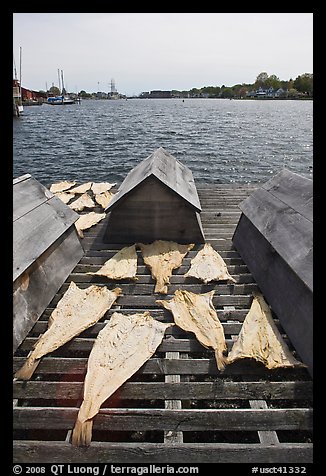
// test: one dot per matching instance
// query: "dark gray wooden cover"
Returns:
(282, 211)
(39, 219)
(165, 168)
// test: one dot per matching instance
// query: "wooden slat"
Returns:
(102, 452)
(219, 389)
(162, 419)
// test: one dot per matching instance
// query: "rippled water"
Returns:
(220, 140)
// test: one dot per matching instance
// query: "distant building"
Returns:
(158, 93)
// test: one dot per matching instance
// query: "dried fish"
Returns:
(123, 265)
(83, 188)
(208, 266)
(99, 187)
(76, 311)
(65, 197)
(87, 220)
(260, 339)
(61, 186)
(104, 198)
(162, 257)
(120, 349)
(196, 313)
(84, 201)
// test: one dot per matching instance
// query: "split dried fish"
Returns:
(119, 350)
(261, 340)
(123, 265)
(100, 187)
(104, 198)
(196, 313)
(87, 220)
(65, 197)
(76, 311)
(83, 188)
(162, 257)
(208, 265)
(61, 186)
(84, 201)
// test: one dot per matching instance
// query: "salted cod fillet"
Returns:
(120, 349)
(196, 313)
(260, 339)
(208, 266)
(87, 220)
(104, 198)
(61, 186)
(84, 201)
(123, 265)
(162, 257)
(76, 311)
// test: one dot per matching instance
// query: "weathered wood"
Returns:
(162, 419)
(46, 248)
(274, 236)
(219, 389)
(101, 452)
(200, 366)
(157, 200)
(35, 288)
(54, 395)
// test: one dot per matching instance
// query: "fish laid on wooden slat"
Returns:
(123, 265)
(84, 201)
(83, 188)
(61, 186)
(120, 349)
(260, 339)
(208, 266)
(65, 197)
(76, 311)
(196, 313)
(104, 198)
(162, 257)
(87, 220)
(100, 187)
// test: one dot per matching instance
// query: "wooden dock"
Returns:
(178, 408)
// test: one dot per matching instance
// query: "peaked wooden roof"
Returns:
(168, 170)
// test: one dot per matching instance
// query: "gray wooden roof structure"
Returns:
(282, 211)
(39, 219)
(168, 170)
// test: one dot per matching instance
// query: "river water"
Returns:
(220, 140)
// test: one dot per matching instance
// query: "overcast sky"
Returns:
(146, 51)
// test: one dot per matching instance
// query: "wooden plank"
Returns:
(36, 231)
(101, 452)
(28, 194)
(172, 436)
(265, 437)
(77, 366)
(219, 389)
(293, 189)
(114, 419)
(37, 286)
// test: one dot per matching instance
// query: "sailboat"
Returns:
(62, 98)
(17, 89)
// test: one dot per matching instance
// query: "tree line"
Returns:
(301, 86)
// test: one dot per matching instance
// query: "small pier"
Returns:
(178, 408)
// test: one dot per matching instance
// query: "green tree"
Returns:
(304, 84)
(261, 80)
(54, 90)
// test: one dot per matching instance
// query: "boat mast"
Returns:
(63, 88)
(20, 74)
(59, 81)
